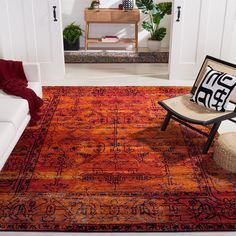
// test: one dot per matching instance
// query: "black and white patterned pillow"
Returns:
(215, 89)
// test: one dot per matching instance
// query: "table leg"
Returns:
(86, 35)
(136, 36)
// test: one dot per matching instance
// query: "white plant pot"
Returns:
(154, 45)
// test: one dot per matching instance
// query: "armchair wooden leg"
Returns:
(166, 121)
(211, 137)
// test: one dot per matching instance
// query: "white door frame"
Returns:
(30, 34)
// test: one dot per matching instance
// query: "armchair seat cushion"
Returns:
(185, 109)
(13, 111)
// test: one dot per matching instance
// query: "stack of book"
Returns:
(110, 39)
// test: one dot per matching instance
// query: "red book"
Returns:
(110, 37)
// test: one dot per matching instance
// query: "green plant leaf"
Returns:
(156, 13)
(157, 19)
(159, 34)
(145, 5)
(164, 8)
(72, 32)
(147, 26)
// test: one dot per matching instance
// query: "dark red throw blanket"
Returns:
(14, 82)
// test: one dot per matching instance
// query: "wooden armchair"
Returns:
(186, 112)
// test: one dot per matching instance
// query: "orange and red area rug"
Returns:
(97, 161)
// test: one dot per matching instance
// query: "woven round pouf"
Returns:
(225, 151)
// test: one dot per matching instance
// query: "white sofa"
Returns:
(14, 113)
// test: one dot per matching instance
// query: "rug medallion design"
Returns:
(97, 161)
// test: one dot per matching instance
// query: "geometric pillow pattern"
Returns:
(215, 89)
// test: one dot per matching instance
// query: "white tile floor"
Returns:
(121, 75)
(114, 75)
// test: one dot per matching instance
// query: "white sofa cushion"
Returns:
(36, 86)
(13, 111)
(7, 135)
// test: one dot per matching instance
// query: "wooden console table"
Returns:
(111, 16)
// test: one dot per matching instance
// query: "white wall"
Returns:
(73, 10)
(228, 49)
(1, 53)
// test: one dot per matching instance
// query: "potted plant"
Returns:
(71, 36)
(94, 5)
(155, 12)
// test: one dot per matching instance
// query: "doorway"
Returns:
(73, 11)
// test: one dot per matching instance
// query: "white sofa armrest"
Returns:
(32, 72)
